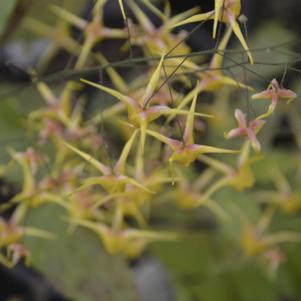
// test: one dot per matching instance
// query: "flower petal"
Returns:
(240, 37)
(234, 133)
(241, 118)
(150, 89)
(287, 94)
(127, 101)
(254, 142)
(218, 10)
(98, 165)
(196, 18)
(266, 94)
(188, 132)
(119, 167)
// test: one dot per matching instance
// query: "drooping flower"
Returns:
(246, 130)
(274, 93)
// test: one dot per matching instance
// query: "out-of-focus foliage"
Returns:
(7, 8)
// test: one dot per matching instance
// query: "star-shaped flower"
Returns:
(11, 235)
(210, 77)
(140, 112)
(256, 240)
(130, 242)
(246, 130)
(286, 197)
(186, 151)
(240, 176)
(157, 40)
(59, 35)
(225, 11)
(274, 93)
(112, 179)
(94, 30)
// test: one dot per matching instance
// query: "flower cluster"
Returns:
(162, 135)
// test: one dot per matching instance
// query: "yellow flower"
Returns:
(225, 11)
(11, 234)
(158, 40)
(288, 200)
(210, 77)
(186, 151)
(94, 30)
(239, 177)
(112, 179)
(130, 242)
(140, 113)
(60, 37)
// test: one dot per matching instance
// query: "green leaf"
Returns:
(208, 267)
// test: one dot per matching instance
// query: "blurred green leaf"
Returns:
(11, 126)
(7, 7)
(207, 267)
